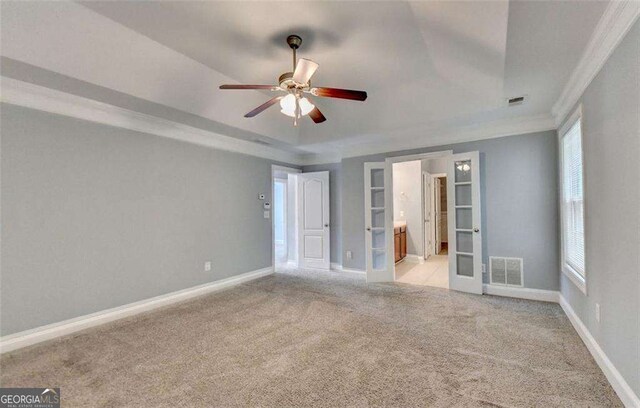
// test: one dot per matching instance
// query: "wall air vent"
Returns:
(518, 100)
(505, 271)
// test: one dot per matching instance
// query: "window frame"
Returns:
(574, 276)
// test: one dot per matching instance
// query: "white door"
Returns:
(313, 221)
(375, 217)
(437, 200)
(465, 239)
(428, 219)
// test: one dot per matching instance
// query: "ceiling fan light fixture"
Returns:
(288, 105)
(305, 106)
(295, 84)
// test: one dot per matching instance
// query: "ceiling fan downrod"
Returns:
(294, 42)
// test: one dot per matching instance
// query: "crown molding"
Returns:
(41, 98)
(49, 100)
(445, 137)
(614, 24)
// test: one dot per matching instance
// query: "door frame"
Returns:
(289, 170)
(433, 212)
(388, 200)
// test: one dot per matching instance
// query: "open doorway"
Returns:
(284, 216)
(280, 220)
(420, 222)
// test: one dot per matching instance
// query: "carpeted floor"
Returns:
(303, 338)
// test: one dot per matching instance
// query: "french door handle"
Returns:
(326, 225)
(476, 230)
(368, 228)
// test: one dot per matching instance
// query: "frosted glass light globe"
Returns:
(288, 105)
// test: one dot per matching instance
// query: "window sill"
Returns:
(576, 278)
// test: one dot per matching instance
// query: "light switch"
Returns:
(266, 214)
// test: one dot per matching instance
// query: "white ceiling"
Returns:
(427, 66)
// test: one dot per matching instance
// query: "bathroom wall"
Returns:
(407, 202)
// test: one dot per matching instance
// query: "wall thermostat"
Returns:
(261, 196)
(267, 206)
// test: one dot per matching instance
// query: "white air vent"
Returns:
(505, 271)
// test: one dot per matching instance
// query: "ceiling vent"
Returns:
(505, 271)
(518, 100)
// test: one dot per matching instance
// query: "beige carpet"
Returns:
(323, 339)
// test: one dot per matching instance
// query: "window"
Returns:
(572, 201)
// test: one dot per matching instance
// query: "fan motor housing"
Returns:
(286, 81)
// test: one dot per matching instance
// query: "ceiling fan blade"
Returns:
(340, 93)
(316, 115)
(264, 106)
(273, 88)
(304, 70)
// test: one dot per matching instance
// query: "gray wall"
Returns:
(335, 210)
(96, 217)
(611, 145)
(519, 187)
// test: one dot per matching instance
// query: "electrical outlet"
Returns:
(598, 312)
(349, 255)
(207, 266)
(402, 213)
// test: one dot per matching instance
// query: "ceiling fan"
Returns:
(297, 86)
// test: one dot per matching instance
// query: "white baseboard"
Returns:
(338, 267)
(522, 293)
(51, 331)
(621, 387)
(417, 259)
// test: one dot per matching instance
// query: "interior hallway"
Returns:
(433, 272)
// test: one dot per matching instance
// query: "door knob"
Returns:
(368, 228)
(476, 230)
(326, 225)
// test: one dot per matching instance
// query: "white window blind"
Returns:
(573, 200)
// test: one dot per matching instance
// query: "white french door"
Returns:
(437, 211)
(375, 216)
(426, 215)
(465, 239)
(313, 220)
